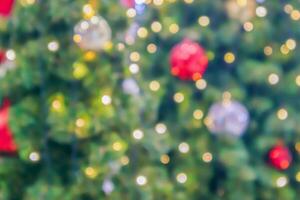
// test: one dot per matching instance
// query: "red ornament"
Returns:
(7, 143)
(6, 7)
(188, 60)
(128, 3)
(280, 157)
(2, 56)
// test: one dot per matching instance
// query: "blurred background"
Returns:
(149, 99)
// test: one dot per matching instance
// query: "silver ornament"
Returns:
(228, 117)
(131, 87)
(92, 34)
(108, 186)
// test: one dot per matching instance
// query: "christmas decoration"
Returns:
(128, 3)
(92, 34)
(280, 157)
(6, 7)
(188, 60)
(240, 10)
(130, 86)
(7, 144)
(228, 117)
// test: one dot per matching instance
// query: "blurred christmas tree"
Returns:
(149, 99)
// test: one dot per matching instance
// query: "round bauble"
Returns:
(92, 34)
(228, 117)
(280, 157)
(188, 60)
(6, 7)
(128, 3)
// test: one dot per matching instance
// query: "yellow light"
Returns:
(178, 97)
(124, 160)
(131, 13)
(268, 50)
(284, 50)
(204, 21)
(80, 123)
(188, 1)
(165, 159)
(91, 172)
(207, 157)
(288, 8)
(241, 3)
(229, 57)
(88, 11)
(151, 48)
(142, 32)
(160, 128)
(27, 2)
(248, 26)
(90, 56)
(298, 177)
(282, 114)
(154, 86)
(201, 84)
(108, 46)
(121, 46)
(117, 146)
(77, 38)
(291, 44)
(298, 80)
(295, 15)
(297, 147)
(135, 56)
(273, 79)
(158, 2)
(80, 70)
(156, 27)
(198, 114)
(56, 105)
(174, 28)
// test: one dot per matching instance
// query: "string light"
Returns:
(158, 2)
(80, 123)
(203, 21)
(34, 156)
(134, 68)
(184, 147)
(131, 13)
(189, 1)
(80, 70)
(53, 46)
(207, 157)
(295, 15)
(142, 32)
(138, 134)
(174, 28)
(90, 56)
(268, 50)
(165, 159)
(27, 2)
(248, 26)
(156, 27)
(297, 80)
(229, 57)
(281, 181)
(151, 48)
(10, 54)
(297, 147)
(198, 114)
(291, 44)
(284, 49)
(160, 128)
(141, 180)
(181, 178)
(201, 84)
(273, 79)
(298, 176)
(135, 56)
(106, 99)
(91, 172)
(282, 114)
(261, 11)
(117, 146)
(288, 8)
(178, 97)
(124, 160)
(154, 86)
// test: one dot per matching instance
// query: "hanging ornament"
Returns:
(188, 60)
(128, 3)
(228, 117)
(6, 61)
(240, 10)
(6, 7)
(92, 34)
(280, 157)
(131, 87)
(108, 186)
(7, 144)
